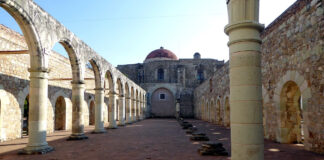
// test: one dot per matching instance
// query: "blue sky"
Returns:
(125, 31)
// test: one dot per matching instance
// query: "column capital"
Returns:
(243, 24)
(99, 89)
(41, 69)
(112, 93)
(78, 82)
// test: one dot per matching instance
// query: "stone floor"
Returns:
(152, 139)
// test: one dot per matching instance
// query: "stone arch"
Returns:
(109, 81)
(68, 107)
(163, 103)
(75, 61)
(31, 35)
(60, 114)
(291, 86)
(91, 113)
(99, 82)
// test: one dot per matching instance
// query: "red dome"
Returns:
(161, 53)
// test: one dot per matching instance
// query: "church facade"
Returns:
(169, 80)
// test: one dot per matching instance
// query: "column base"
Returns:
(36, 150)
(121, 124)
(77, 137)
(99, 132)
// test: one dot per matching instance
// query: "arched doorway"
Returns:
(227, 112)
(92, 113)
(291, 130)
(25, 117)
(163, 103)
(60, 114)
(218, 112)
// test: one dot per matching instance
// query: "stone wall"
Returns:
(292, 78)
(14, 85)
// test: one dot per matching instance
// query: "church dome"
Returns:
(160, 54)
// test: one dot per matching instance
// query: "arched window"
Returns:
(160, 74)
(200, 75)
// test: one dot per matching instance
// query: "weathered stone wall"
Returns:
(210, 97)
(292, 78)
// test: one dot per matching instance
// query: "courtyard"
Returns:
(156, 139)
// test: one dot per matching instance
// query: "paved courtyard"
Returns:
(152, 139)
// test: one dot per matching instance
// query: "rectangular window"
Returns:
(162, 96)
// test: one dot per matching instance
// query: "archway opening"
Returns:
(60, 114)
(25, 116)
(218, 110)
(92, 113)
(212, 111)
(291, 114)
(227, 112)
(108, 85)
(163, 103)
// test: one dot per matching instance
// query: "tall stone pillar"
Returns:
(121, 109)
(99, 103)
(128, 110)
(37, 122)
(244, 29)
(77, 111)
(111, 110)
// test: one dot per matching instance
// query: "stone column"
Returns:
(99, 103)
(138, 110)
(121, 106)
(128, 104)
(37, 123)
(244, 29)
(77, 111)
(134, 110)
(111, 110)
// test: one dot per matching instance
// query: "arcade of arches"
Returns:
(59, 93)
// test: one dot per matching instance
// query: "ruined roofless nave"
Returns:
(271, 88)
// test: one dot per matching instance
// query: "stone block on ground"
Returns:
(212, 148)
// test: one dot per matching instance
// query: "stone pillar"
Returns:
(138, 110)
(111, 110)
(77, 111)
(128, 104)
(141, 110)
(37, 123)
(134, 110)
(244, 29)
(121, 107)
(99, 103)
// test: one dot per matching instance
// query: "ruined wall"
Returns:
(14, 85)
(210, 97)
(292, 78)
